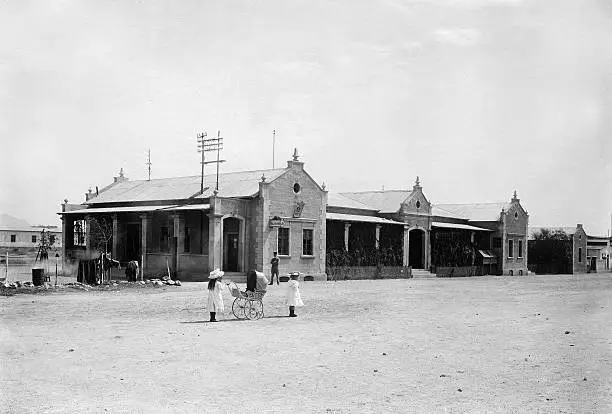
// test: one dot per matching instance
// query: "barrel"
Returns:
(38, 277)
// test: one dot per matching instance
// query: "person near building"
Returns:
(293, 297)
(274, 263)
(215, 297)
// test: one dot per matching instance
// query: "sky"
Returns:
(479, 98)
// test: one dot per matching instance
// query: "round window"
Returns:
(296, 188)
(418, 204)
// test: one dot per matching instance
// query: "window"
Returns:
(510, 249)
(418, 204)
(307, 242)
(283, 241)
(163, 239)
(13, 238)
(580, 255)
(516, 215)
(187, 242)
(296, 188)
(33, 239)
(80, 235)
(520, 249)
(497, 242)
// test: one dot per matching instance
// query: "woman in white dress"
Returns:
(215, 298)
(293, 297)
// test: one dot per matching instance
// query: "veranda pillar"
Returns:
(406, 246)
(115, 237)
(215, 232)
(145, 221)
(347, 226)
(378, 226)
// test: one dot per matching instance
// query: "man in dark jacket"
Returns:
(274, 263)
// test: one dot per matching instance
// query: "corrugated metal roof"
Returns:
(364, 219)
(235, 184)
(476, 211)
(436, 211)
(338, 200)
(387, 201)
(130, 209)
(457, 226)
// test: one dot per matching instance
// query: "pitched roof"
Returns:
(339, 200)
(234, 184)
(476, 211)
(387, 201)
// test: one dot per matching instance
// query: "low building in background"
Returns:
(25, 239)
(599, 251)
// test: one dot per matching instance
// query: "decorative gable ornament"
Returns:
(297, 209)
(276, 221)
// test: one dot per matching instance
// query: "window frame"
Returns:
(33, 238)
(164, 242)
(580, 255)
(13, 238)
(304, 253)
(520, 249)
(510, 248)
(278, 241)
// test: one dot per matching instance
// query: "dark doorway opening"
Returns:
(132, 243)
(415, 249)
(231, 244)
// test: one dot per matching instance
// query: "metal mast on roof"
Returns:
(148, 163)
(273, 145)
(207, 145)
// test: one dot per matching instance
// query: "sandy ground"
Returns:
(487, 344)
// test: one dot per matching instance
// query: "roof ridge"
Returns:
(374, 191)
(205, 175)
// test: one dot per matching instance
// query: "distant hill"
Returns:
(7, 220)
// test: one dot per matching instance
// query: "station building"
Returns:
(187, 226)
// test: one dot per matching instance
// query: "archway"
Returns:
(231, 245)
(416, 249)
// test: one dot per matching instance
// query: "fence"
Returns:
(368, 272)
(19, 267)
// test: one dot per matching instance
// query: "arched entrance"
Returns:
(231, 245)
(416, 249)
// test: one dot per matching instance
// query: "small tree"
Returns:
(45, 243)
(101, 233)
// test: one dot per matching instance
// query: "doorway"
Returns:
(132, 243)
(415, 249)
(231, 244)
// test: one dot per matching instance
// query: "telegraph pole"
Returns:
(207, 145)
(201, 138)
(148, 163)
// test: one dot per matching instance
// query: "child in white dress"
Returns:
(293, 297)
(215, 299)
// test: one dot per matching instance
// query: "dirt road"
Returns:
(488, 344)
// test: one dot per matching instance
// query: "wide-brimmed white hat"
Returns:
(216, 273)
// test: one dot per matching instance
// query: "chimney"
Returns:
(515, 198)
(417, 184)
(88, 194)
(120, 178)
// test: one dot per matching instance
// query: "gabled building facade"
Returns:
(186, 228)
(171, 225)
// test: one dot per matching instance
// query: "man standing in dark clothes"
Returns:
(274, 263)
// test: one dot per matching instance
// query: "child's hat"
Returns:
(216, 273)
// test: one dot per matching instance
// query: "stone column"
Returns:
(179, 233)
(378, 226)
(145, 220)
(347, 226)
(215, 230)
(88, 238)
(115, 237)
(406, 246)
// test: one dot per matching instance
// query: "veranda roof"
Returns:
(139, 209)
(363, 219)
(457, 226)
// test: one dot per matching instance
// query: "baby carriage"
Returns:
(247, 304)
